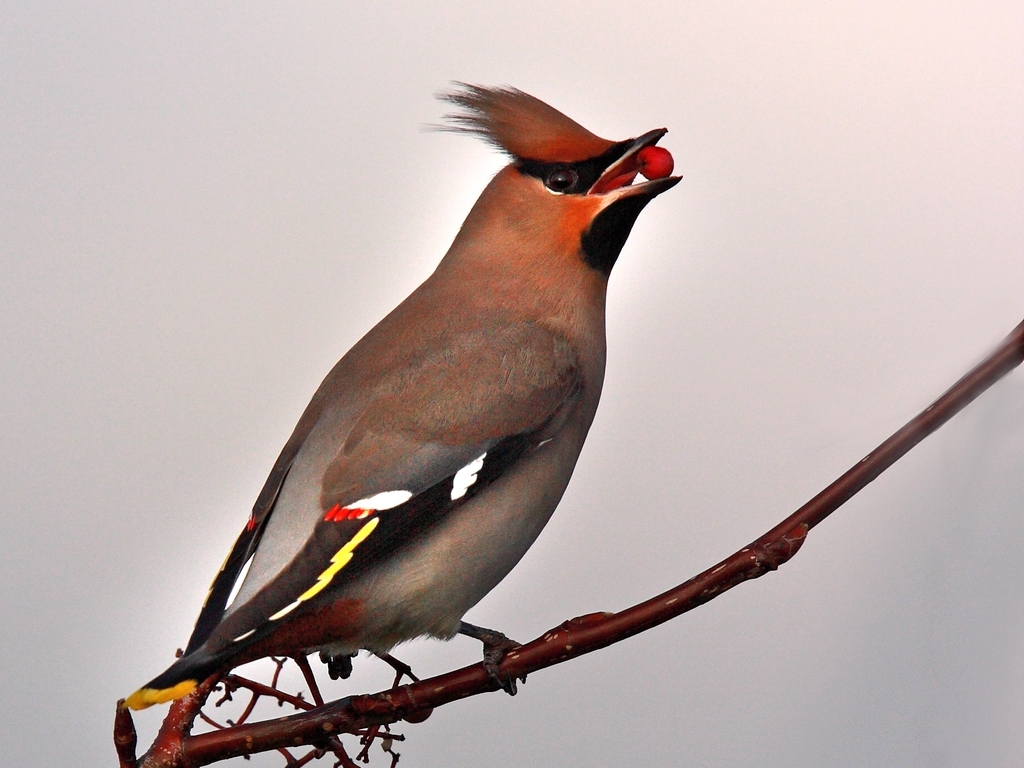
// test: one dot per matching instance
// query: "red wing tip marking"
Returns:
(357, 510)
(337, 513)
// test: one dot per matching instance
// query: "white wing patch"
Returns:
(381, 501)
(363, 508)
(238, 582)
(466, 476)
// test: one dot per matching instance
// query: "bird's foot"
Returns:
(339, 666)
(401, 668)
(496, 645)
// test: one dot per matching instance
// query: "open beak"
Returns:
(618, 177)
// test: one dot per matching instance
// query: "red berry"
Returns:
(655, 162)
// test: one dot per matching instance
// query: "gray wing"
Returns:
(393, 461)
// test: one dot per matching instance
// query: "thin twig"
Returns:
(344, 761)
(125, 737)
(265, 690)
(210, 721)
(314, 690)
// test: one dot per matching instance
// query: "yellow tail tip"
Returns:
(147, 697)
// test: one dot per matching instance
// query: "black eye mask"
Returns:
(573, 178)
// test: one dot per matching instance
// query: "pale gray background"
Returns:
(204, 207)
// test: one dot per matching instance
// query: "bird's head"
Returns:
(565, 185)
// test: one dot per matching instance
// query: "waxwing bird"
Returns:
(435, 451)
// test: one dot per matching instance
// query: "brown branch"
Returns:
(307, 674)
(125, 738)
(584, 634)
(167, 749)
(266, 690)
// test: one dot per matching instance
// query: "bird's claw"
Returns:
(496, 645)
(338, 666)
(493, 654)
(401, 668)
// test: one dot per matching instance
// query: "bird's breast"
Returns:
(427, 587)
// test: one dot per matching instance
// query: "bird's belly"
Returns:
(426, 588)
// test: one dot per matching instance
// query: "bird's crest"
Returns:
(519, 124)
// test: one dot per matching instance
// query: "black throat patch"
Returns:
(602, 242)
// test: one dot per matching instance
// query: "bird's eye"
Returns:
(562, 180)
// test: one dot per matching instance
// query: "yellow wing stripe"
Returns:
(340, 560)
(214, 582)
(146, 697)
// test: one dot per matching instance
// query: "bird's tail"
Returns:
(179, 680)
